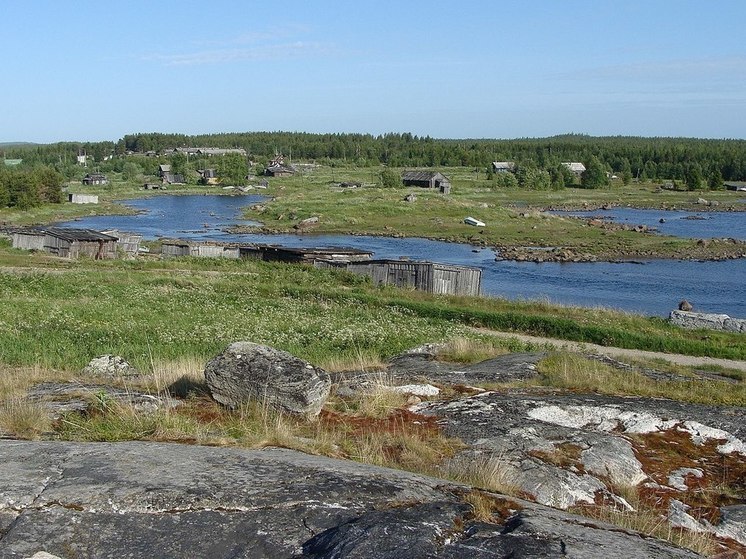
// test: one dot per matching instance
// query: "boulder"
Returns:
(247, 371)
(410, 198)
(307, 223)
(110, 366)
(685, 305)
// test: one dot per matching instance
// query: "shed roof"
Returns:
(69, 234)
(575, 167)
(420, 175)
(507, 165)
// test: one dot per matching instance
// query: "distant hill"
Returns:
(17, 144)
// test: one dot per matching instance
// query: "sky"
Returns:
(93, 70)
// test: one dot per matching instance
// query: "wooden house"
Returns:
(432, 277)
(427, 179)
(575, 168)
(67, 243)
(274, 253)
(95, 178)
(208, 176)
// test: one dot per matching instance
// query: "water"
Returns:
(692, 225)
(652, 288)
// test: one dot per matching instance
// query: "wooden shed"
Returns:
(128, 243)
(67, 243)
(427, 179)
(274, 253)
(176, 247)
(433, 277)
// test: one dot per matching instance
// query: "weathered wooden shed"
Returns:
(427, 179)
(67, 243)
(176, 247)
(274, 253)
(433, 277)
(128, 243)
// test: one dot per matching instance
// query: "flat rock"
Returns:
(563, 448)
(59, 398)
(504, 368)
(142, 500)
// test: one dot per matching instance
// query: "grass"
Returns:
(510, 214)
(574, 372)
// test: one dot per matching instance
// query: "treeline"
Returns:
(28, 188)
(643, 158)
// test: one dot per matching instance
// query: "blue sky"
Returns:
(93, 70)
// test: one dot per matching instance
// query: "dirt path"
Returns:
(678, 359)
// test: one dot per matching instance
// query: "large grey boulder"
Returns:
(246, 371)
(151, 500)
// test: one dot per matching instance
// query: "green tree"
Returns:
(715, 180)
(48, 183)
(505, 180)
(389, 179)
(693, 177)
(594, 175)
(531, 177)
(4, 188)
(131, 171)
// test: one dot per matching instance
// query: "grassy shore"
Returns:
(59, 314)
(513, 216)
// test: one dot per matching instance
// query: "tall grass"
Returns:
(574, 372)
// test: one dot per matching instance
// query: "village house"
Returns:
(208, 176)
(67, 243)
(503, 166)
(277, 168)
(427, 179)
(95, 178)
(168, 177)
(575, 168)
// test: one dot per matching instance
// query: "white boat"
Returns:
(472, 221)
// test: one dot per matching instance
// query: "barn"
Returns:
(432, 277)
(427, 179)
(67, 243)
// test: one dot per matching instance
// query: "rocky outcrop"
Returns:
(246, 371)
(142, 500)
(110, 366)
(707, 321)
(565, 450)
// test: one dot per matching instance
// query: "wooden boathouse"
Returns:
(274, 253)
(67, 243)
(432, 277)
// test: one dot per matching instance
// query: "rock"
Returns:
(246, 371)
(702, 202)
(139, 500)
(61, 398)
(417, 389)
(410, 198)
(685, 305)
(307, 223)
(710, 321)
(110, 366)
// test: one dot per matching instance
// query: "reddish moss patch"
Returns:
(398, 422)
(565, 455)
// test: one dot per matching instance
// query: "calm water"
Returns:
(692, 225)
(653, 288)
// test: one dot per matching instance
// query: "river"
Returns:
(653, 287)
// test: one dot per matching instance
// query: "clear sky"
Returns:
(96, 70)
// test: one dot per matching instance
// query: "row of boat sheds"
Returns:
(427, 276)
